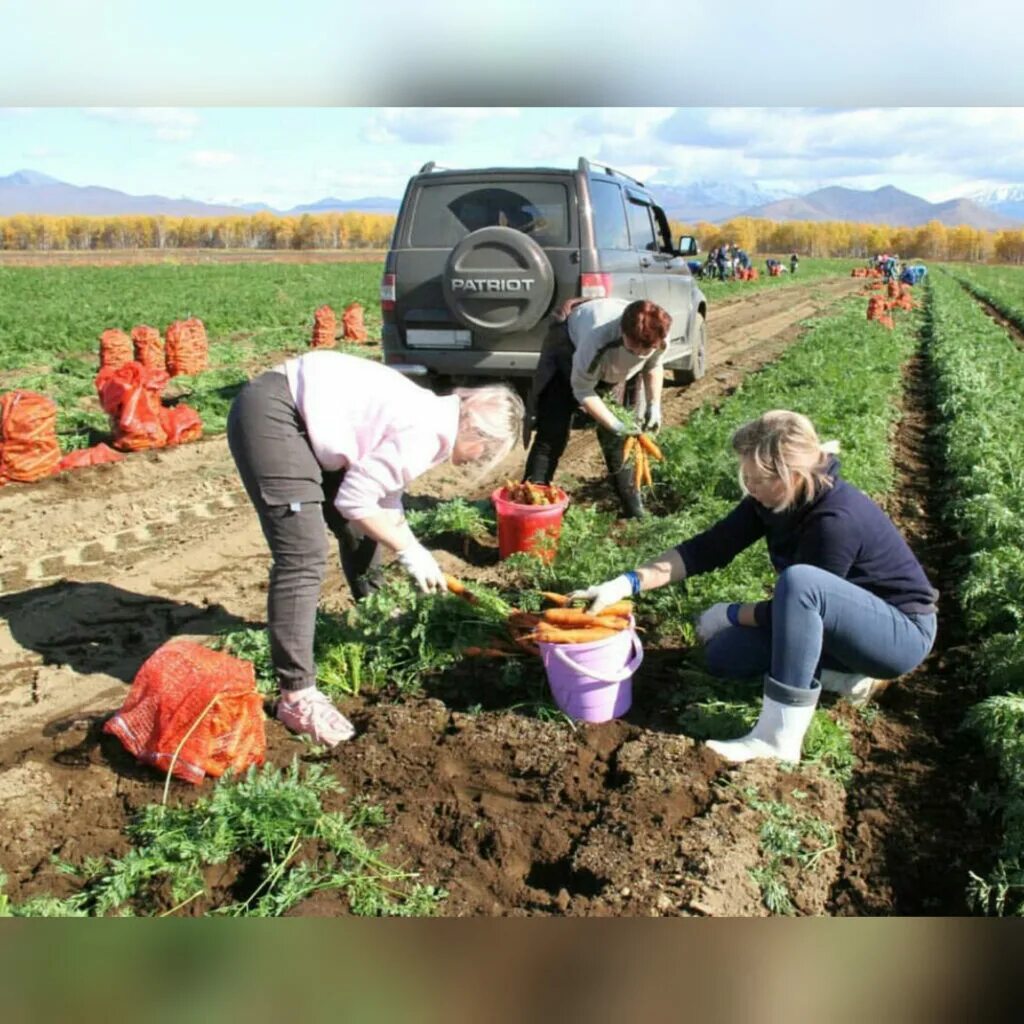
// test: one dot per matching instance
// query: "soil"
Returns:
(510, 814)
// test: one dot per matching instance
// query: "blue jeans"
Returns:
(822, 621)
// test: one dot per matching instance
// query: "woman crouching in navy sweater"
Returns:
(852, 605)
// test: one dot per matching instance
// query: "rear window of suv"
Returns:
(445, 213)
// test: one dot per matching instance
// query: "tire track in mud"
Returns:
(96, 553)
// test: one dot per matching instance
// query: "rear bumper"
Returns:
(455, 362)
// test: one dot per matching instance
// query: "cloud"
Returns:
(430, 125)
(211, 158)
(168, 124)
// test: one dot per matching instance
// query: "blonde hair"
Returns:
(785, 445)
(493, 416)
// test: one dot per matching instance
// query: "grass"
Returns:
(51, 319)
(272, 825)
(810, 270)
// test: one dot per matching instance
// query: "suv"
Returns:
(480, 257)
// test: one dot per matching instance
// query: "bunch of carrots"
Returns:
(641, 448)
(561, 624)
(531, 494)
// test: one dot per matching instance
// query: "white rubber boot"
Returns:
(779, 732)
(857, 689)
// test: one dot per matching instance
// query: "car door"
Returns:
(616, 256)
(667, 278)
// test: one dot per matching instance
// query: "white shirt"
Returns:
(370, 420)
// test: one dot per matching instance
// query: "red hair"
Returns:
(646, 323)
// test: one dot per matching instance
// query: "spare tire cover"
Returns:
(498, 280)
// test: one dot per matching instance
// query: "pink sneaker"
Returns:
(311, 713)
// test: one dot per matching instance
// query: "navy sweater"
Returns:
(840, 530)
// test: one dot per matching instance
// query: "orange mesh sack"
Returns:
(192, 711)
(148, 347)
(130, 396)
(29, 449)
(187, 348)
(181, 423)
(325, 327)
(352, 323)
(115, 348)
(94, 456)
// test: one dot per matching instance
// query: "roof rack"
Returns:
(432, 165)
(585, 165)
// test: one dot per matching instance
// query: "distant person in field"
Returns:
(722, 259)
(332, 440)
(851, 607)
(794, 263)
(595, 346)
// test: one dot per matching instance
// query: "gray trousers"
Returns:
(294, 499)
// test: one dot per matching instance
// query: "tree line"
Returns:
(355, 230)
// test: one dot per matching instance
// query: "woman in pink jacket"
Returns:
(331, 439)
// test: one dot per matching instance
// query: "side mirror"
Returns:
(687, 246)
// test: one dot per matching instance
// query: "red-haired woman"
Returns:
(603, 343)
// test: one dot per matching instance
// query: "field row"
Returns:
(979, 375)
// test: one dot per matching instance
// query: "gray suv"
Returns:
(479, 258)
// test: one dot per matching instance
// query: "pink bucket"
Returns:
(594, 682)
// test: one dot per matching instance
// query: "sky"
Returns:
(285, 156)
(288, 103)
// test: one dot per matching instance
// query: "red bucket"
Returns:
(528, 528)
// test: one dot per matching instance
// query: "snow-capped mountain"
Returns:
(1005, 199)
(713, 200)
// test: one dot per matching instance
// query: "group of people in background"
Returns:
(725, 260)
(329, 442)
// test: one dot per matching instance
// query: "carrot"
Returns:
(459, 588)
(569, 617)
(559, 599)
(638, 472)
(523, 620)
(485, 652)
(554, 635)
(647, 473)
(627, 448)
(614, 622)
(621, 609)
(527, 645)
(648, 445)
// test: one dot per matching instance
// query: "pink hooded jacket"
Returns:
(368, 419)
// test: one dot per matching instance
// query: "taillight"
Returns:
(595, 286)
(387, 293)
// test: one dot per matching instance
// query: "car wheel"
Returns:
(698, 361)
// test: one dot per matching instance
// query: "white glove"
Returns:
(652, 418)
(605, 594)
(421, 565)
(619, 429)
(713, 621)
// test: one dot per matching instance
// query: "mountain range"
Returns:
(28, 191)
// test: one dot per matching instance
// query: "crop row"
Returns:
(1001, 287)
(979, 375)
